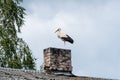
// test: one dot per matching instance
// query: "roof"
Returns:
(20, 74)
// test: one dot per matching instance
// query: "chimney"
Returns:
(57, 61)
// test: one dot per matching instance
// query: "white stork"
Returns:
(64, 37)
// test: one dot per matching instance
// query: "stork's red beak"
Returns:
(56, 30)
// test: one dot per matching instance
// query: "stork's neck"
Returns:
(58, 33)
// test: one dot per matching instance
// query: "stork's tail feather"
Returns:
(70, 40)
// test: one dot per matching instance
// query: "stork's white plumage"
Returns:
(63, 37)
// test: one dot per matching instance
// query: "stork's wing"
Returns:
(67, 38)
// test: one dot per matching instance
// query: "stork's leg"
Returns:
(64, 43)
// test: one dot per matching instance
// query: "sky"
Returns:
(93, 24)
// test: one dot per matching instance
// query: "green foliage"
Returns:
(14, 52)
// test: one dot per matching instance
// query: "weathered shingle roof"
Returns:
(19, 74)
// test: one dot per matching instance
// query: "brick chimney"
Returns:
(57, 60)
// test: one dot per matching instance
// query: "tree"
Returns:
(14, 52)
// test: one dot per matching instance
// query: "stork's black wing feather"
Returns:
(68, 38)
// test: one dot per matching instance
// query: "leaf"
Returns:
(14, 51)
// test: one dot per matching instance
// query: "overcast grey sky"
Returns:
(93, 24)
